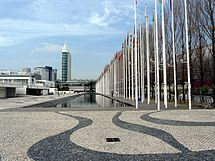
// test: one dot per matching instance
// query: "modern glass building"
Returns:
(66, 64)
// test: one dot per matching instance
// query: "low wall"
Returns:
(2, 92)
(20, 91)
(7, 92)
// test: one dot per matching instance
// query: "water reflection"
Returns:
(91, 101)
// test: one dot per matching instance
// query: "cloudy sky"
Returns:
(32, 32)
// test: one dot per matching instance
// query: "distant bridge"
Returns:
(79, 88)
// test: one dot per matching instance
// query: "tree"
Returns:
(208, 27)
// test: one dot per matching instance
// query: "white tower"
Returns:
(66, 63)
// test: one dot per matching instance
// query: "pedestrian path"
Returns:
(81, 135)
(139, 139)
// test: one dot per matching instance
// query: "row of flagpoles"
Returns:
(125, 75)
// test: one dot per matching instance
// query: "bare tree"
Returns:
(208, 27)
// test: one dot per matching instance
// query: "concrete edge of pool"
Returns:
(52, 104)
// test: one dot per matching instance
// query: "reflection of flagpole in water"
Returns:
(98, 100)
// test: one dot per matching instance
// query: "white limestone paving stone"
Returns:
(94, 137)
(195, 138)
(20, 130)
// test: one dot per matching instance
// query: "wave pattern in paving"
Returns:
(60, 147)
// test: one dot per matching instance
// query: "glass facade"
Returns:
(66, 64)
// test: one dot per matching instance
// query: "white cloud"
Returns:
(111, 12)
(6, 40)
(47, 18)
(98, 20)
(47, 48)
(13, 31)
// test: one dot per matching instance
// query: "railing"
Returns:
(7, 84)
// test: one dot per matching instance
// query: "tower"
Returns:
(66, 64)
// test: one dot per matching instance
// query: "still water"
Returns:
(91, 101)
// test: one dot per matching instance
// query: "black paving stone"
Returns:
(60, 148)
(147, 117)
(160, 134)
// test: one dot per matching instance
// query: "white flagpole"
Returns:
(118, 75)
(139, 76)
(126, 67)
(103, 80)
(104, 83)
(114, 77)
(164, 56)
(143, 73)
(157, 58)
(123, 69)
(188, 55)
(129, 66)
(173, 46)
(132, 69)
(155, 63)
(135, 50)
(147, 55)
(107, 87)
(141, 66)
(107, 81)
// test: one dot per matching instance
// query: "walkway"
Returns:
(81, 135)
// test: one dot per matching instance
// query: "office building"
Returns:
(66, 64)
(54, 75)
(43, 72)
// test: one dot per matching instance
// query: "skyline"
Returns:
(33, 33)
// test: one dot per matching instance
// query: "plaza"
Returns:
(43, 134)
(134, 80)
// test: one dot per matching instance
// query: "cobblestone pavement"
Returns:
(196, 138)
(81, 135)
(19, 131)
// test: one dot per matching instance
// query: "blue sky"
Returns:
(32, 32)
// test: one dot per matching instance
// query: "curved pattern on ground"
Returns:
(59, 147)
(94, 137)
(185, 155)
(147, 117)
(163, 135)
